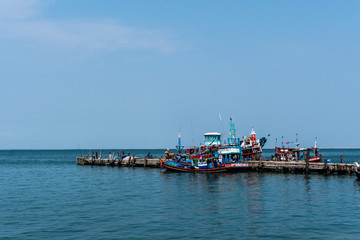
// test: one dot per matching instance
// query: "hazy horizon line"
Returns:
(86, 149)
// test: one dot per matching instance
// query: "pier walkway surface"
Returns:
(301, 166)
(131, 161)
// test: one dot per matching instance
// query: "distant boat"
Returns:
(294, 154)
(314, 159)
(356, 169)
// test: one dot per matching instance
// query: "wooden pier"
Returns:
(262, 165)
(259, 166)
(301, 167)
(130, 161)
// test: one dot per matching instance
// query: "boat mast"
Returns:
(232, 132)
(222, 126)
(179, 147)
(297, 143)
(192, 133)
(253, 137)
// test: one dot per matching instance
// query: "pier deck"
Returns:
(300, 166)
(126, 162)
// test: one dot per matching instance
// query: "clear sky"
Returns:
(129, 74)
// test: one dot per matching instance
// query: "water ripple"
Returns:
(45, 195)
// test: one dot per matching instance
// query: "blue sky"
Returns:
(129, 74)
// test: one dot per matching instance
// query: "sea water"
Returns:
(45, 195)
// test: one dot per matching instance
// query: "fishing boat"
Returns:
(286, 154)
(252, 147)
(210, 157)
(315, 158)
(315, 150)
(202, 159)
(202, 167)
(357, 175)
(356, 169)
(231, 153)
(295, 153)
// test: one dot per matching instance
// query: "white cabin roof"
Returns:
(212, 134)
(253, 131)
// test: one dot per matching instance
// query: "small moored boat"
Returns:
(356, 169)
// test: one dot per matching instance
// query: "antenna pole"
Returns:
(179, 147)
(222, 126)
(297, 143)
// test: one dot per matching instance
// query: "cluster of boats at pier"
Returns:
(232, 155)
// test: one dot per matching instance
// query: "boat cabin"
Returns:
(229, 154)
(286, 154)
(212, 138)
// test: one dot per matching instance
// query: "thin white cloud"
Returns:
(20, 23)
(20, 9)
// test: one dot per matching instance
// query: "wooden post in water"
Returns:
(307, 160)
(342, 159)
(129, 161)
(134, 159)
(325, 164)
(145, 161)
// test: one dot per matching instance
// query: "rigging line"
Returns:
(192, 133)
(79, 149)
(222, 126)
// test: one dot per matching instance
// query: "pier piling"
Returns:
(145, 161)
(307, 160)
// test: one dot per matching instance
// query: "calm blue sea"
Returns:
(45, 195)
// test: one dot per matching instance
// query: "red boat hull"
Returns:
(314, 159)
